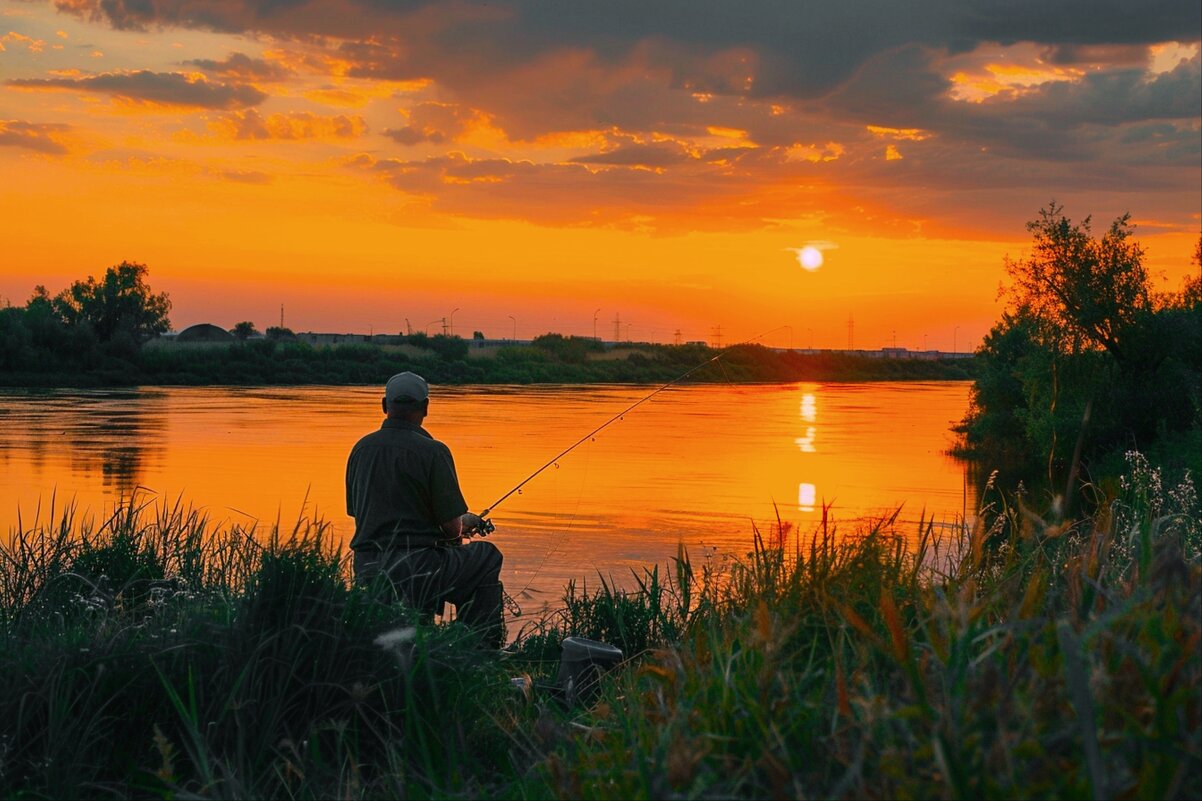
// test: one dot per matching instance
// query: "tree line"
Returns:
(1088, 359)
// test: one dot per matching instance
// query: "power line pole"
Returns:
(281, 315)
(851, 330)
(617, 327)
(716, 335)
(677, 336)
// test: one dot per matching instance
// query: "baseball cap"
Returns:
(406, 388)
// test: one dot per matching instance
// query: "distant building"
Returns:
(204, 332)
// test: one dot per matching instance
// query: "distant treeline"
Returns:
(101, 333)
(549, 359)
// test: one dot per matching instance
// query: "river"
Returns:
(699, 465)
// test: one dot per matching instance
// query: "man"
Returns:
(411, 518)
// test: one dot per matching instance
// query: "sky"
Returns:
(651, 170)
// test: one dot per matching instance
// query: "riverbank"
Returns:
(550, 360)
(153, 655)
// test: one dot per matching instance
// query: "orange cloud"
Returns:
(14, 38)
(292, 126)
(911, 134)
(38, 137)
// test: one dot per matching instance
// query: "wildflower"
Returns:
(391, 639)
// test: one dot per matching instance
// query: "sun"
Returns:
(809, 257)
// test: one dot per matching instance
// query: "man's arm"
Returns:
(455, 528)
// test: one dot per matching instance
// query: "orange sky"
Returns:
(374, 165)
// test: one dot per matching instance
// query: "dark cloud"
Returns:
(412, 136)
(801, 82)
(654, 154)
(801, 49)
(39, 137)
(159, 88)
(241, 67)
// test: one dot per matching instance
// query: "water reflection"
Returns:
(61, 437)
(697, 465)
(806, 494)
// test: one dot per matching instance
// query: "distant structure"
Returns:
(204, 332)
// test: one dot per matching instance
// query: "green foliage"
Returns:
(1089, 289)
(1086, 362)
(244, 330)
(151, 656)
(122, 302)
(277, 333)
(569, 350)
(93, 327)
(1032, 657)
(448, 348)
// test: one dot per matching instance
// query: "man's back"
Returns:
(400, 485)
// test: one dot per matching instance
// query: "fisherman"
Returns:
(411, 519)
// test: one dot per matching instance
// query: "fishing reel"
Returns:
(485, 528)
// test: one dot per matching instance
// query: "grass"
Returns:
(1032, 657)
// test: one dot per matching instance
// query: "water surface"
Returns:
(698, 465)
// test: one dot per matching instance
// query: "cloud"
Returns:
(39, 137)
(799, 50)
(434, 122)
(637, 154)
(241, 67)
(28, 42)
(698, 195)
(247, 177)
(154, 88)
(614, 112)
(251, 125)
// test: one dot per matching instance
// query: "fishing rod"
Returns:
(488, 527)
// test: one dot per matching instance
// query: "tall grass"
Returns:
(1051, 659)
(148, 654)
(1034, 656)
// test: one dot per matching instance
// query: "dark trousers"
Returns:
(425, 578)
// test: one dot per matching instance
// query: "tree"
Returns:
(121, 303)
(1191, 293)
(244, 330)
(1095, 291)
(276, 332)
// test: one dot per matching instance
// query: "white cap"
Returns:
(406, 388)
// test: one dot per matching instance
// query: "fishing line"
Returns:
(622, 413)
(571, 523)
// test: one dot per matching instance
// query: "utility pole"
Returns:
(617, 328)
(598, 311)
(281, 315)
(851, 329)
(677, 336)
(716, 335)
